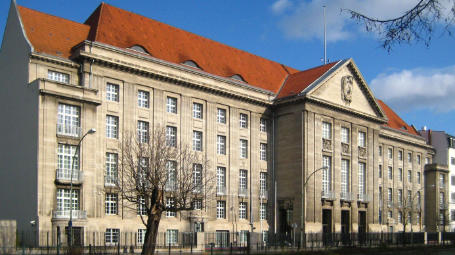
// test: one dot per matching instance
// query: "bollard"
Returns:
(169, 248)
(230, 249)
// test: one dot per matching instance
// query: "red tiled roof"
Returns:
(395, 121)
(50, 34)
(297, 82)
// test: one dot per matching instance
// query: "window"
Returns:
(452, 215)
(197, 204)
(380, 197)
(390, 173)
(143, 131)
(243, 238)
(141, 236)
(197, 140)
(390, 153)
(65, 200)
(111, 126)
(198, 226)
(69, 120)
(409, 176)
(243, 182)
(242, 210)
(452, 180)
(65, 157)
(110, 204)
(327, 130)
(170, 204)
(441, 200)
(141, 208)
(400, 217)
(344, 178)
(112, 92)
(452, 161)
(427, 161)
(263, 184)
(197, 177)
(409, 157)
(263, 151)
(243, 148)
(418, 199)
(221, 116)
(197, 111)
(172, 237)
(171, 105)
(220, 209)
(344, 135)
(243, 120)
(400, 174)
(390, 215)
(362, 180)
(442, 181)
(111, 236)
(418, 159)
(400, 155)
(221, 145)
(418, 177)
(400, 197)
(58, 76)
(143, 99)
(220, 180)
(263, 125)
(171, 136)
(389, 197)
(380, 150)
(409, 219)
(408, 198)
(111, 169)
(171, 183)
(362, 139)
(263, 211)
(380, 171)
(441, 219)
(326, 174)
(380, 216)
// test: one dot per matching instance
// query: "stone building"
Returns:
(265, 127)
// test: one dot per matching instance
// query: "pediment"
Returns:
(345, 88)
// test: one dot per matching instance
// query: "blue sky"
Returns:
(417, 82)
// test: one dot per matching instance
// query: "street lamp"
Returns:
(70, 222)
(303, 231)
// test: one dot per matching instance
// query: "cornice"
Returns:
(401, 139)
(54, 59)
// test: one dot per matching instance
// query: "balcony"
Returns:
(328, 195)
(220, 190)
(443, 207)
(364, 198)
(263, 194)
(64, 176)
(69, 130)
(110, 181)
(170, 186)
(65, 214)
(243, 192)
(346, 196)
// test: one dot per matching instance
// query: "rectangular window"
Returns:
(112, 236)
(427, 160)
(143, 131)
(390, 153)
(112, 92)
(418, 199)
(110, 204)
(263, 211)
(171, 182)
(362, 180)
(380, 150)
(409, 157)
(69, 120)
(197, 178)
(380, 171)
(441, 200)
(327, 130)
(143, 99)
(243, 148)
(243, 120)
(344, 135)
(171, 136)
(389, 197)
(220, 209)
(263, 151)
(170, 207)
(263, 184)
(197, 141)
(221, 145)
(141, 208)
(344, 178)
(171, 105)
(418, 159)
(326, 175)
(197, 204)
(263, 125)
(400, 155)
(400, 174)
(380, 197)
(243, 182)
(172, 237)
(409, 176)
(418, 177)
(362, 139)
(111, 126)
(141, 236)
(65, 156)
(452, 161)
(58, 76)
(221, 116)
(452, 215)
(197, 111)
(390, 215)
(220, 180)
(452, 180)
(400, 217)
(242, 210)
(65, 200)
(111, 169)
(400, 197)
(442, 181)
(390, 173)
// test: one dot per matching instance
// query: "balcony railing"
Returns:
(170, 186)
(110, 180)
(443, 207)
(220, 190)
(346, 196)
(69, 130)
(328, 195)
(64, 175)
(263, 193)
(363, 198)
(243, 192)
(65, 214)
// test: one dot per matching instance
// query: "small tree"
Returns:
(409, 207)
(157, 174)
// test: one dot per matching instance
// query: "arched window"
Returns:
(139, 48)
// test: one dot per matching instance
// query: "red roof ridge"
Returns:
(47, 14)
(395, 121)
(93, 21)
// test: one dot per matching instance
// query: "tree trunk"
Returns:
(151, 233)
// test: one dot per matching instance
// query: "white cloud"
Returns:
(305, 20)
(417, 89)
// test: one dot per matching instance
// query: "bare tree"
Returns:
(410, 206)
(159, 175)
(416, 24)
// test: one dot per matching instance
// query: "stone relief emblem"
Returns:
(346, 88)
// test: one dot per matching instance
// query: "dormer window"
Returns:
(237, 77)
(191, 63)
(139, 48)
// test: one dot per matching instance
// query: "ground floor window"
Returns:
(172, 237)
(111, 236)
